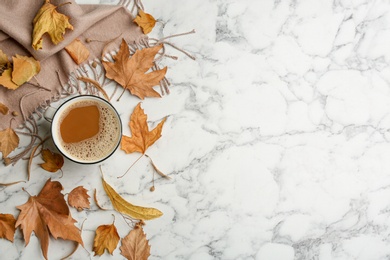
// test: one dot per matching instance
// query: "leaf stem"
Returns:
(131, 166)
(66, 3)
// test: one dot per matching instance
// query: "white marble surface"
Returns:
(277, 138)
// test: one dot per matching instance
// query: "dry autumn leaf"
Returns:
(4, 62)
(125, 207)
(135, 246)
(9, 140)
(106, 237)
(78, 198)
(3, 109)
(7, 226)
(47, 214)
(141, 138)
(77, 51)
(48, 20)
(129, 72)
(53, 161)
(24, 68)
(21, 71)
(145, 21)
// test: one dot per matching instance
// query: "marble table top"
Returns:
(277, 138)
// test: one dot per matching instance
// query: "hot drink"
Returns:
(87, 129)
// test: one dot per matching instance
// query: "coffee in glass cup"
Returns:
(86, 129)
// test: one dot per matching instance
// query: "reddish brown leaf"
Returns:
(7, 226)
(129, 72)
(135, 246)
(78, 198)
(106, 237)
(53, 161)
(47, 214)
(141, 138)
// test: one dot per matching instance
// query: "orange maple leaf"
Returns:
(129, 72)
(7, 226)
(141, 138)
(47, 214)
(106, 237)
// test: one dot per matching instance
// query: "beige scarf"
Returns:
(97, 23)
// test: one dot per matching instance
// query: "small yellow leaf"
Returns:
(48, 20)
(106, 237)
(3, 109)
(9, 140)
(145, 21)
(124, 207)
(77, 51)
(6, 79)
(24, 69)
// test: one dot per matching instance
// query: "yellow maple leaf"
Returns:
(145, 21)
(48, 20)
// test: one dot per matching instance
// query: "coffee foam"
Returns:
(100, 145)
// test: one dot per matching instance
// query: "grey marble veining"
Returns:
(277, 137)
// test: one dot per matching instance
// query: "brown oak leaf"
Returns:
(47, 214)
(4, 62)
(79, 199)
(7, 226)
(135, 246)
(141, 138)
(53, 161)
(3, 109)
(9, 140)
(77, 51)
(48, 20)
(130, 72)
(145, 21)
(106, 237)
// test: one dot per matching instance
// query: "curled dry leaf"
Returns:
(47, 214)
(22, 70)
(3, 109)
(53, 161)
(125, 207)
(9, 140)
(135, 246)
(7, 226)
(48, 20)
(106, 237)
(141, 138)
(145, 21)
(77, 51)
(79, 199)
(129, 72)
